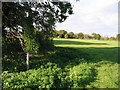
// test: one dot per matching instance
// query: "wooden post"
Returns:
(27, 60)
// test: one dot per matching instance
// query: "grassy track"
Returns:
(102, 55)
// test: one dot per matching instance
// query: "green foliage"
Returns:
(81, 75)
(50, 76)
(55, 34)
(45, 15)
(10, 46)
(45, 43)
(86, 36)
(31, 45)
(67, 35)
(62, 33)
(80, 36)
(106, 77)
(71, 34)
(96, 36)
(75, 67)
(118, 37)
(45, 77)
(61, 36)
(13, 63)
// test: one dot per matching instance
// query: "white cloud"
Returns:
(100, 16)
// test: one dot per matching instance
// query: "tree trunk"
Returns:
(27, 60)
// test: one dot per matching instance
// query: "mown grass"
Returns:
(78, 43)
(74, 63)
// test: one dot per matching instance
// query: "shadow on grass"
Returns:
(62, 57)
(69, 57)
(98, 54)
(65, 57)
(64, 42)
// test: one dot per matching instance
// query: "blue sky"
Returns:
(99, 16)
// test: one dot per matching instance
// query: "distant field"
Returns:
(78, 43)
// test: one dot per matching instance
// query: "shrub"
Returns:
(81, 75)
(45, 77)
(50, 76)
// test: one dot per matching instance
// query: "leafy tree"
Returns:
(96, 36)
(44, 15)
(62, 33)
(55, 34)
(28, 16)
(61, 36)
(118, 37)
(112, 38)
(67, 35)
(80, 36)
(71, 34)
(86, 36)
(90, 37)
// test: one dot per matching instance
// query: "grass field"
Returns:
(78, 43)
(74, 63)
(102, 55)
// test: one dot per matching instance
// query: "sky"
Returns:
(99, 16)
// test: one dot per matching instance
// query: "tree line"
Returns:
(67, 35)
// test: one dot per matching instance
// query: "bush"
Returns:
(50, 76)
(45, 77)
(80, 76)
(13, 63)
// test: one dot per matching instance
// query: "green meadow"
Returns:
(74, 63)
(78, 43)
(102, 55)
